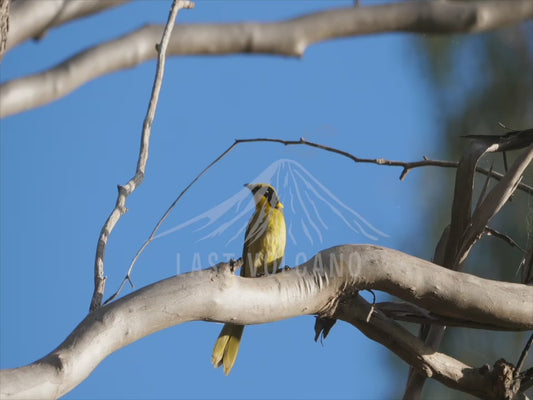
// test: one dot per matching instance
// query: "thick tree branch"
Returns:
(124, 191)
(217, 294)
(32, 18)
(287, 38)
(465, 228)
(481, 382)
(4, 26)
(462, 200)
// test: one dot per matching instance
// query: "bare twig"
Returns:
(407, 166)
(485, 186)
(127, 278)
(373, 306)
(462, 199)
(526, 380)
(465, 228)
(494, 201)
(124, 191)
(527, 266)
(410, 313)
(512, 140)
(287, 38)
(523, 355)
(509, 240)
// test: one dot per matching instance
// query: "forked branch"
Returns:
(217, 294)
(407, 166)
(287, 38)
(466, 227)
(484, 382)
(124, 191)
(31, 19)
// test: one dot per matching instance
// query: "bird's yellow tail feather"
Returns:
(227, 347)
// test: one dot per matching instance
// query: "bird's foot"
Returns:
(285, 268)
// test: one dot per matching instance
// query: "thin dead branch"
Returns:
(494, 201)
(506, 238)
(124, 191)
(410, 313)
(407, 166)
(480, 382)
(127, 278)
(527, 266)
(523, 355)
(466, 227)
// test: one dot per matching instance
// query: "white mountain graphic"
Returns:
(309, 207)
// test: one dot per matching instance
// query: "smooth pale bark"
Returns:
(287, 38)
(216, 294)
(31, 19)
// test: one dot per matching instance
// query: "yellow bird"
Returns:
(264, 247)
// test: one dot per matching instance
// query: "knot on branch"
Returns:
(123, 190)
(228, 267)
(504, 383)
(56, 361)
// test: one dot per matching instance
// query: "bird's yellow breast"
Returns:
(265, 240)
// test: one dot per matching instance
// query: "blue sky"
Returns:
(60, 165)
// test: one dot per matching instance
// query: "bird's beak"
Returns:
(249, 186)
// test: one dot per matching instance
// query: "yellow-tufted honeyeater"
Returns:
(264, 247)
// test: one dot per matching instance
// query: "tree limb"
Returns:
(286, 38)
(406, 165)
(4, 26)
(408, 312)
(31, 19)
(507, 239)
(465, 228)
(127, 278)
(494, 201)
(124, 191)
(217, 294)
(481, 382)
